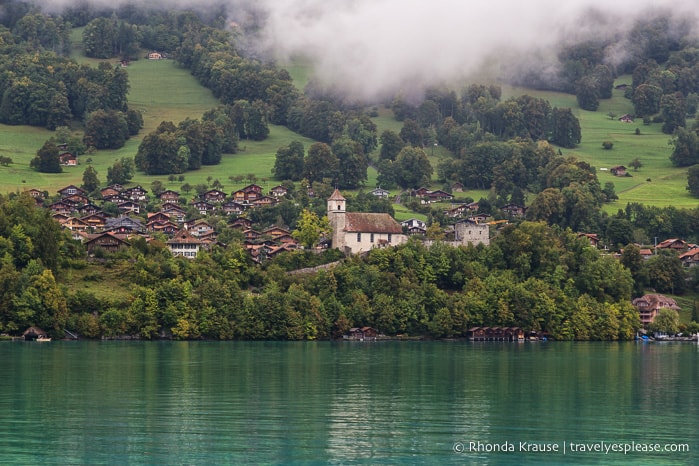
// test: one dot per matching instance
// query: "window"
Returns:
(371, 238)
(389, 237)
(359, 237)
(339, 207)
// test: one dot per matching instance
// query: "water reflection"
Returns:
(392, 402)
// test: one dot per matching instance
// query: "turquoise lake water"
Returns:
(348, 403)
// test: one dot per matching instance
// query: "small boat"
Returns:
(42, 338)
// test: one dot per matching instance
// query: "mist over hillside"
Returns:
(370, 49)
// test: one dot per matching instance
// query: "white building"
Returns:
(355, 232)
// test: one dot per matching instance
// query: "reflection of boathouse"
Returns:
(496, 334)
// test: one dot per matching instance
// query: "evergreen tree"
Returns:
(90, 180)
(47, 159)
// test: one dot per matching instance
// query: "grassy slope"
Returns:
(667, 185)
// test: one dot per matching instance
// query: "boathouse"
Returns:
(32, 333)
(361, 334)
(495, 334)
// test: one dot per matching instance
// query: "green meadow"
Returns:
(657, 182)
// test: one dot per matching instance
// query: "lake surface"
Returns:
(348, 403)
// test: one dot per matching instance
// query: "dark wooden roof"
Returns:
(34, 331)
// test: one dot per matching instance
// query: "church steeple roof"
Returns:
(336, 196)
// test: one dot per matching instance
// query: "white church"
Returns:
(357, 232)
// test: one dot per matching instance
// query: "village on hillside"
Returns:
(352, 232)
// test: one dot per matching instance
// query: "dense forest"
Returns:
(537, 273)
(532, 275)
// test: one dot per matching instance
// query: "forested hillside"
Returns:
(540, 272)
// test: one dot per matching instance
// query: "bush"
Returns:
(607, 145)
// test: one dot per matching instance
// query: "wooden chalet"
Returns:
(175, 211)
(136, 193)
(618, 170)
(690, 258)
(89, 209)
(124, 225)
(591, 237)
(37, 194)
(264, 201)
(258, 252)
(77, 199)
(514, 210)
(439, 196)
(674, 244)
(199, 227)
(457, 211)
(287, 240)
(420, 192)
(233, 208)
(162, 226)
(68, 159)
(204, 207)
(625, 118)
(75, 224)
(115, 198)
(279, 191)
(169, 196)
(241, 222)
(414, 226)
(61, 207)
(248, 194)
(473, 206)
(251, 235)
(108, 241)
(214, 195)
(110, 191)
(649, 305)
(60, 218)
(209, 237)
(380, 193)
(158, 217)
(129, 207)
(276, 232)
(71, 190)
(95, 221)
(457, 187)
(273, 251)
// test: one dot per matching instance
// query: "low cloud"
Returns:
(372, 48)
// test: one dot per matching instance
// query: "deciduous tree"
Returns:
(412, 168)
(310, 227)
(289, 163)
